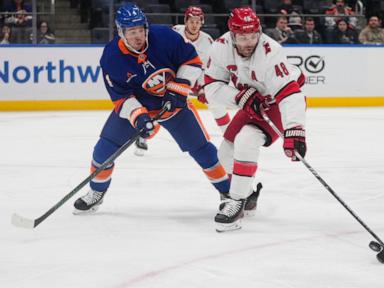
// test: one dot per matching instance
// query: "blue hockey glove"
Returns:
(177, 93)
(141, 120)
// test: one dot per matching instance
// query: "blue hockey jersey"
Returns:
(144, 76)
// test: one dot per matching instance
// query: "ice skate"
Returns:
(89, 203)
(141, 147)
(251, 202)
(230, 213)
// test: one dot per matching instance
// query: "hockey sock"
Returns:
(206, 157)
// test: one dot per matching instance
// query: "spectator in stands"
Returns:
(294, 22)
(19, 19)
(18, 14)
(44, 34)
(281, 33)
(5, 35)
(286, 7)
(339, 8)
(372, 33)
(289, 9)
(1, 16)
(309, 35)
(343, 34)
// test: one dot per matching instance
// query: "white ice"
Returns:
(156, 229)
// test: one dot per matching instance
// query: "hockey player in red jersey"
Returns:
(144, 68)
(261, 78)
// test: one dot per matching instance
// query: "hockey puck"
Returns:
(375, 246)
(380, 257)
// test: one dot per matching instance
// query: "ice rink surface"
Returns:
(156, 229)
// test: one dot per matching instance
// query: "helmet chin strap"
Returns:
(121, 34)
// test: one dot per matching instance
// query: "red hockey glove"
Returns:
(141, 120)
(201, 96)
(251, 101)
(176, 94)
(294, 139)
(198, 91)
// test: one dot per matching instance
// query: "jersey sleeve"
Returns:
(217, 77)
(280, 80)
(280, 77)
(216, 66)
(121, 93)
(184, 55)
(116, 89)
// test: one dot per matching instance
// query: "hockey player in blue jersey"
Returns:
(145, 67)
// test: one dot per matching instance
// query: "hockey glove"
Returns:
(198, 91)
(294, 139)
(251, 101)
(177, 93)
(201, 96)
(141, 120)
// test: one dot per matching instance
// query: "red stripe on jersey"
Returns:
(247, 169)
(301, 80)
(223, 120)
(289, 89)
(209, 80)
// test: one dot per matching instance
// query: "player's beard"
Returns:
(246, 51)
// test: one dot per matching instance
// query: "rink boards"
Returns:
(68, 77)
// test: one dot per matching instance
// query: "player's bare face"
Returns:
(246, 43)
(135, 37)
(193, 25)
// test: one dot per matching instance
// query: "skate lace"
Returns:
(231, 207)
(92, 197)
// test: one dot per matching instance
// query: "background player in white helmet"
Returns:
(191, 32)
(262, 78)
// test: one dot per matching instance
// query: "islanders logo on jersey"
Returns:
(155, 83)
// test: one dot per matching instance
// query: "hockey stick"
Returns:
(23, 222)
(377, 247)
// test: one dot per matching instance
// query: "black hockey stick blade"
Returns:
(20, 221)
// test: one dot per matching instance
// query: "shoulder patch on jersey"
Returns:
(267, 47)
(220, 40)
(155, 83)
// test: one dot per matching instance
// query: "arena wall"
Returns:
(68, 77)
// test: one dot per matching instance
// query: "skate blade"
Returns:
(223, 227)
(92, 210)
(139, 152)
